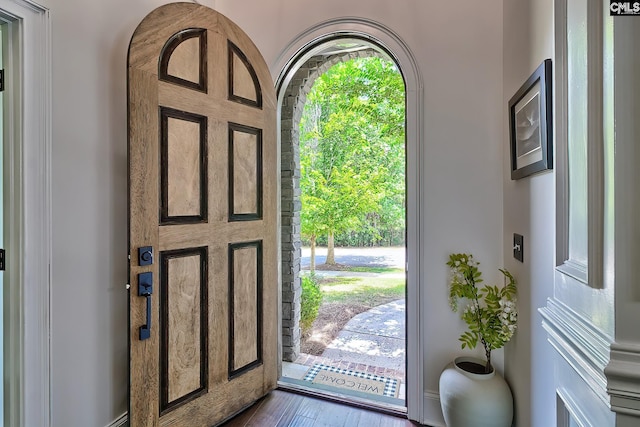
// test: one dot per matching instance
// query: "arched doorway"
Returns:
(295, 95)
(300, 63)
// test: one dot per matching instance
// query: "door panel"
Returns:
(245, 288)
(184, 310)
(243, 82)
(202, 194)
(245, 173)
(183, 162)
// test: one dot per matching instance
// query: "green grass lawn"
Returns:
(376, 269)
(369, 291)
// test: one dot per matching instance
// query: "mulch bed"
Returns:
(331, 319)
(332, 267)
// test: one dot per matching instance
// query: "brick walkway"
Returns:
(371, 342)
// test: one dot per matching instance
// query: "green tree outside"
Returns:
(352, 153)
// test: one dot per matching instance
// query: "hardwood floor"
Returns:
(285, 409)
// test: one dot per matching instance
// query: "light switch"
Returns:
(518, 247)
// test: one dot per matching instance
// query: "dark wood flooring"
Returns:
(285, 409)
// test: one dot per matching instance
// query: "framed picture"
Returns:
(530, 124)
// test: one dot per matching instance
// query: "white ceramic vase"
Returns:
(474, 400)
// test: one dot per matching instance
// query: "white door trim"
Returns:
(27, 295)
(290, 59)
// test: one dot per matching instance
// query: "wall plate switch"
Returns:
(518, 247)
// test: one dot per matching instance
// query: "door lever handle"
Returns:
(145, 289)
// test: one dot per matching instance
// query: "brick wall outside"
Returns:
(292, 106)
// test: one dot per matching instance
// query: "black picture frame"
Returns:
(530, 124)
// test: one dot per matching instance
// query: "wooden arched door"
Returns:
(202, 219)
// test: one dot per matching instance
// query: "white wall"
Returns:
(89, 304)
(529, 209)
(458, 45)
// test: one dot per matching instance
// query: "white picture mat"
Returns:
(528, 134)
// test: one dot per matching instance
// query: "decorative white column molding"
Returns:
(579, 318)
(581, 345)
(623, 375)
(623, 371)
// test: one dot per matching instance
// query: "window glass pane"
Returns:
(577, 130)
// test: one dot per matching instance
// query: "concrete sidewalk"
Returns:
(375, 337)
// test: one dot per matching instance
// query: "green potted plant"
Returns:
(471, 392)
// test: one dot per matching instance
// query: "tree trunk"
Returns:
(312, 265)
(331, 257)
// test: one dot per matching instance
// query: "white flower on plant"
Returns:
(468, 309)
(453, 303)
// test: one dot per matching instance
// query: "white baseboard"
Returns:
(121, 421)
(432, 410)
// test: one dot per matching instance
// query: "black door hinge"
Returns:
(1, 259)
(1, 80)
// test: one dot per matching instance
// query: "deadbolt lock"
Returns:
(145, 255)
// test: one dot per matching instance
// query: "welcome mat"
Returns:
(352, 380)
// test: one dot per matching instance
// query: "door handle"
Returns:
(145, 289)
